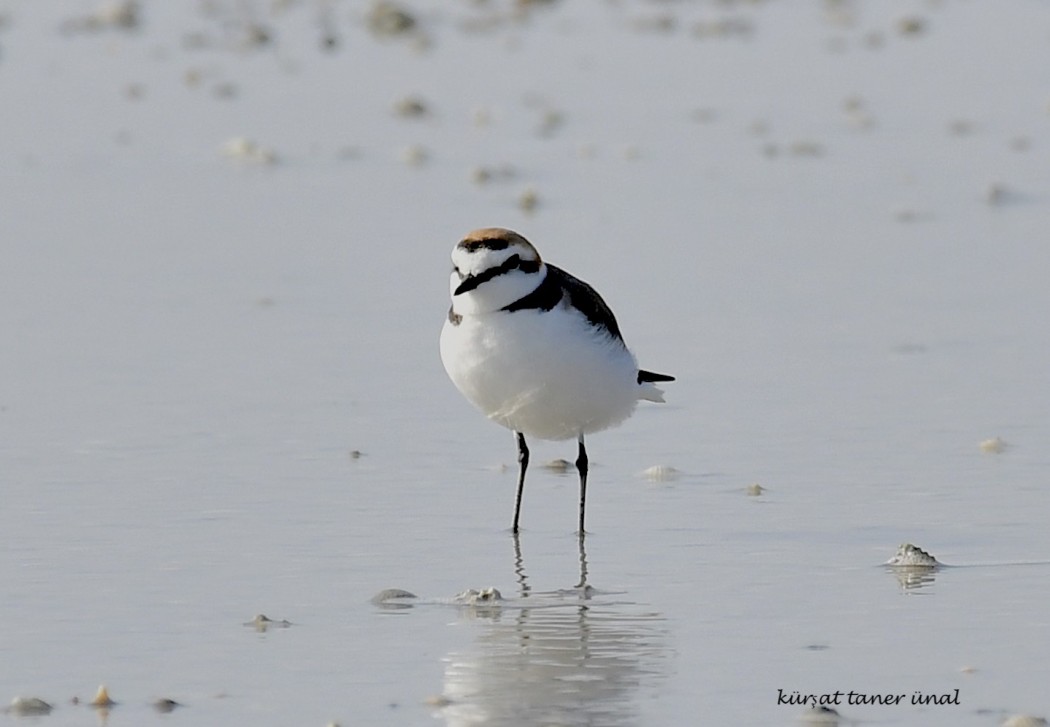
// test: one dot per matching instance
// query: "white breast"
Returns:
(548, 374)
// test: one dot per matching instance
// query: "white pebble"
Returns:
(660, 473)
(26, 706)
(994, 445)
(414, 155)
(246, 150)
(1024, 720)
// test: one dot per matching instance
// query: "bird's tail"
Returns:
(647, 390)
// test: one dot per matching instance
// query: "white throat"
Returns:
(494, 294)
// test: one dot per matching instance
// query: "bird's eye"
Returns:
(458, 272)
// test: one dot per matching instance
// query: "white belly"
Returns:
(545, 374)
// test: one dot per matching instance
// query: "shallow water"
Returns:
(799, 222)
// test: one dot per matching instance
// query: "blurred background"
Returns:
(224, 238)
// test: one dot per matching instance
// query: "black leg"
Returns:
(581, 466)
(523, 464)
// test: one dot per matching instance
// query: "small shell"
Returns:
(994, 445)
(415, 155)
(660, 473)
(473, 597)
(102, 698)
(561, 466)
(1024, 720)
(392, 594)
(263, 623)
(246, 150)
(27, 706)
(912, 556)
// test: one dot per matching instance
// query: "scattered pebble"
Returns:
(912, 556)
(660, 473)
(662, 23)
(561, 466)
(912, 25)
(821, 715)
(246, 150)
(263, 623)
(806, 149)
(329, 41)
(472, 597)
(356, 454)
(392, 594)
(1000, 194)
(484, 175)
(28, 706)
(723, 28)
(755, 489)
(411, 107)
(968, 670)
(102, 698)
(1024, 720)
(874, 40)
(550, 122)
(414, 155)
(437, 700)
(995, 445)
(117, 14)
(586, 151)
(193, 77)
(165, 705)
(996, 194)
(225, 90)
(528, 200)
(134, 91)
(387, 20)
(759, 127)
(909, 215)
(856, 114)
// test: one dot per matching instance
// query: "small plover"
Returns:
(536, 349)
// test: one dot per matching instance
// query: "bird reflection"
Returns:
(574, 656)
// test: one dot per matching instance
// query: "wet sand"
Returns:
(225, 231)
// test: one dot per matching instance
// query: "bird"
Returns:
(537, 350)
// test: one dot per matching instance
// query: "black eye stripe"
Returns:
(514, 262)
